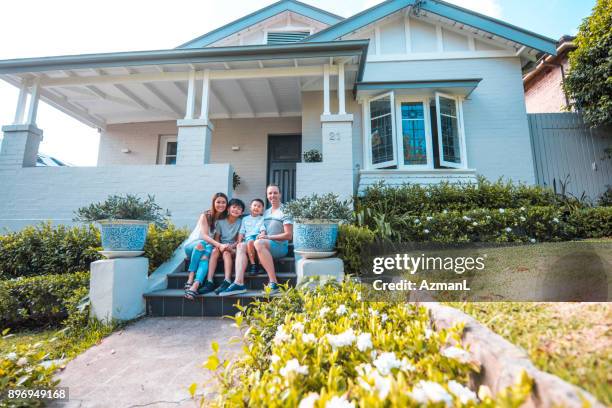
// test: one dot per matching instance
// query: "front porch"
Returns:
(179, 123)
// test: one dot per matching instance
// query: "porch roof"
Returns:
(246, 81)
(462, 87)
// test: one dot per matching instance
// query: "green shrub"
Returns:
(327, 347)
(593, 222)
(414, 199)
(46, 249)
(38, 301)
(161, 243)
(351, 241)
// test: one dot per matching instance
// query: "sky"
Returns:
(62, 27)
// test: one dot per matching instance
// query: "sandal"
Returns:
(190, 294)
(187, 285)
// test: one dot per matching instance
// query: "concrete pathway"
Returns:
(151, 362)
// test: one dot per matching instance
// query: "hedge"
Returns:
(45, 249)
(37, 301)
(351, 241)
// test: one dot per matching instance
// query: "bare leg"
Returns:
(265, 258)
(241, 263)
(227, 265)
(251, 251)
(190, 278)
(212, 264)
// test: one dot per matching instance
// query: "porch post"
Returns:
(341, 91)
(194, 135)
(326, 109)
(21, 140)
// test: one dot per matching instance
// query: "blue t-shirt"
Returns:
(252, 225)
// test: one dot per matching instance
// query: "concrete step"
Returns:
(286, 264)
(171, 302)
(177, 280)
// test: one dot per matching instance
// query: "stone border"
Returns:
(502, 362)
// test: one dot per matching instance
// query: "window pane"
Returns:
(450, 131)
(170, 159)
(413, 133)
(381, 125)
(171, 149)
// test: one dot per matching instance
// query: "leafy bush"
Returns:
(327, 207)
(161, 243)
(326, 347)
(313, 156)
(351, 241)
(414, 199)
(38, 301)
(593, 222)
(45, 249)
(128, 207)
(606, 198)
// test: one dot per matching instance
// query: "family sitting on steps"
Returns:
(221, 231)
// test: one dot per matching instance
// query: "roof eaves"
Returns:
(261, 15)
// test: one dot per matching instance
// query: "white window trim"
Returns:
(396, 129)
(394, 161)
(399, 137)
(462, 155)
(163, 148)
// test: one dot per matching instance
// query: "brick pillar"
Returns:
(193, 142)
(20, 146)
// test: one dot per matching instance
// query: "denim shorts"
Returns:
(279, 249)
(250, 238)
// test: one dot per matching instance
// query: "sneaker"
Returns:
(233, 289)
(207, 287)
(224, 285)
(253, 270)
(271, 289)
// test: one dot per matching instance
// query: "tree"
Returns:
(589, 82)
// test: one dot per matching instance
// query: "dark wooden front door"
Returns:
(283, 152)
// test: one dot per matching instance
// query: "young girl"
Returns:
(201, 242)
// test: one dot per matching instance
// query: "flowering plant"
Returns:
(325, 347)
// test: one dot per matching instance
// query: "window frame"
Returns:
(394, 161)
(163, 148)
(428, 133)
(460, 130)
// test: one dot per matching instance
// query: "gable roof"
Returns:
(441, 8)
(261, 15)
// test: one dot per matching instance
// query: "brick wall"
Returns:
(544, 94)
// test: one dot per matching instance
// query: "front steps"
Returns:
(170, 301)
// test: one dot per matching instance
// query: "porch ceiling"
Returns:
(268, 83)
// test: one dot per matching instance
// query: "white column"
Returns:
(341, 91)
(326, 110)
(21, 101)
(205, 95)
(33, 109)
(190, 108)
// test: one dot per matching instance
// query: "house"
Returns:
(416, 91)
(543, 83)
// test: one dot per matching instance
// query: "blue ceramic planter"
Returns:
(123, 235)
(315, 237)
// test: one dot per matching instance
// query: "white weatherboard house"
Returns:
(412, 91)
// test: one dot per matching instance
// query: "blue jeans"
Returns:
(198, 252)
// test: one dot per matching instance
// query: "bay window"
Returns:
(410, 133)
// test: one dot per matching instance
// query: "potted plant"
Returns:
(123, 222)
(313, 156)
(316, 220)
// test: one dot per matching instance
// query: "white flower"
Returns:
(522, 208)
(556, 220)
(339, 402)
(426, 231)
(12, 356)
(464, 394)
(281, 335)
(373, 354)
(417, 221)
(501, 211)
(445, 212)
(429, 391)
(373, 312)
(293, 366)
(341, 310)
(274, 358)
(308, 338)
(466, 218)
(22, 361)
(488, 217)
(364, 341)
(532, 240)
(358, 296)
(406, 365)
(428, 333)
(522, 218)
(309, 400)
(386, 362)
(456, 353)
(508, 229)
(429, 218)
(354, 316)
(343, 339)
(384, 317)
(474, 223)
(298, 326)
(324, 310)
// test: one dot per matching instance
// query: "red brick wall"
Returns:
(544, 93)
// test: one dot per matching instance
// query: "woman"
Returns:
(200, 244)
(271, 244)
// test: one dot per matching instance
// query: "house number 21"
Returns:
(334, 137)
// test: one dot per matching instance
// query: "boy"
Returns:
(252, 226)
(226, 232)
